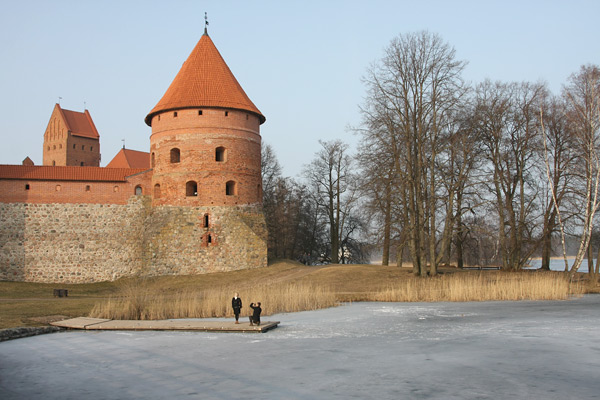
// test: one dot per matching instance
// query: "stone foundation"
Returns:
(78, 243)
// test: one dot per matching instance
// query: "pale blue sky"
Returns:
(300, 62)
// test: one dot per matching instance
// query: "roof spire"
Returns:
(205, 23)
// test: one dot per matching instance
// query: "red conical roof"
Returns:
(204, 80)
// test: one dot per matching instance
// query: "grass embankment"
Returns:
(281, 287)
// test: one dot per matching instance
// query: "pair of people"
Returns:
(236, 304)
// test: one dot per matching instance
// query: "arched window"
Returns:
(231, 188)
(191, 188)
(208, 240)
(206, 221)
(153, 160)
(220, 154)
(157, 191)
(88, 188)
(175, 155)
(138, 190)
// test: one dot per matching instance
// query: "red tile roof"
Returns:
(52, 173)
(204, 80)
(80, 124)
(126, 158)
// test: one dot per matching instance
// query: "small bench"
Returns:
(61, 293)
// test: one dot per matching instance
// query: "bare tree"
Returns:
(583, 116)
(508, 125)
(413, 93)
(330, 175)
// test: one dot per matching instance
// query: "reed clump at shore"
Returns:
(140, 299)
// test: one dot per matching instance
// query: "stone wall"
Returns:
(76, 243)
(177, 242)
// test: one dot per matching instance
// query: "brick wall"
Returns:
(197, 134)
(88, 192)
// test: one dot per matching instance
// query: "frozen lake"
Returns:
(559, 264)
(487, 350)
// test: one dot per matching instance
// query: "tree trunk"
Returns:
(387, 226)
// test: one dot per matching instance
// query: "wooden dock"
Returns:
(164, 325)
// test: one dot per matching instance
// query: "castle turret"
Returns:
(205, 154)
(205, 143)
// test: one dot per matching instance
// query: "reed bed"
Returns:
(484, 286)
(147, 300)
(139, 301)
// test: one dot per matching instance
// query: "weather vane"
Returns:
(205, 23)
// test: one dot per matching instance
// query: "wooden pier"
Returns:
(164, 325)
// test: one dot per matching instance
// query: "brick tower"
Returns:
(205, 151)
(71, 139)
(205, 143)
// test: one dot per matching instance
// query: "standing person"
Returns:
(255, 317)
(236, 304)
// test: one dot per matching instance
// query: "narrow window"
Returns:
(82, 147)
(115, 189)
(138, 190)
(209, 239)
(153, 160)
(91, 148)
(58, 188)
(60, 146)
(175, 114)
(73, 147)
(87, 188)
(199, 112)
(159, 117)
(81, 164)
(191, 188)
(206, 221)
(226, 113)
(53, 163)
(48, 148)
(175, 155)
(230, 188)
(220, 154)
(54, 147)
(27, 187)
(157, 191)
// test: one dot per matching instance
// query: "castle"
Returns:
(192, 205)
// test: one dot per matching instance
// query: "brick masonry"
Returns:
(77, 243)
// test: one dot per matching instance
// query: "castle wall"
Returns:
(86, 192)
(71, 243)
(77, 243)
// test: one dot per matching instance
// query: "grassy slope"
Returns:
(33, 304)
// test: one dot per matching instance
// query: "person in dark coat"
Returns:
(236, 304)
(255, 317)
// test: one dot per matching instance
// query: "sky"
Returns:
(300, 62)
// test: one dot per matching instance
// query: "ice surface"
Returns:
(487, 350)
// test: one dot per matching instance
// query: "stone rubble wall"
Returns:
(79, 243)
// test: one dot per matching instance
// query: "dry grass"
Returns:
(281, 287)
(484, 286)
(138, 300)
